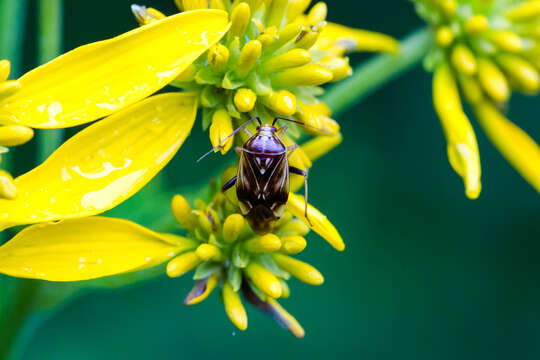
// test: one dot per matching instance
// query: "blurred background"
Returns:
(427, 274)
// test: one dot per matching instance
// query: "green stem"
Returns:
(50, 45)
(375, 73)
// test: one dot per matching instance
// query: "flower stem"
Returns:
(375, 73)
(50, 45)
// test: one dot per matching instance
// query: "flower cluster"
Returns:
(484, 50)
(10, 135)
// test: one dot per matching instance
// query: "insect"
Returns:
(262, 181)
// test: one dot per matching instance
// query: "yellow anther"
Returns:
(321, 145)
(218, 56)
(232, 227)
(506, 40)
(240, 19)
(263, 279)
(7, 187)
(525, 10)
(182, 212)
(263, 244)
(339, 66)
(471, 89)
(188, 74)
(521, 71)
(220, 128)
(292, 58)
(462, 147)
(13, 135)
(282, 102)
(211, 284)
(207, 252)
(182, 264)
(493, 80)
(477, 24)
(444, 36)
(244, 100)
(307, 75)
(307, 39)
(463, 60)
(8, 88)
(317, 13)
(250, 53)
(5, 67)
(293, 244)
(299, 269)
(285, 291)
(233, 307)
(448, 7)
(145, 15)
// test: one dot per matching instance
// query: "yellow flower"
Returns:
(10, 135)
(224, 60)
(484, 50)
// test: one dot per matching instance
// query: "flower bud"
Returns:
(299, 269)
(463, 60)
(244, 100)
(207, 252)
(7, 187)
(285, 319)
(493, 80)
(13, 135)
(182, 212)
(283, 102)
(220, 128)
(289, 59)
(448, 7)
(317, 13)
(233, 307)
(218, 56)
(187, 75)
(145, 15)
(522, 11)
(506, 40)
(293, 244)
(232, 227)
(307, 75)
(249, 54)
(240, 19)
(444, 36)
(5, 67)
(321, 145)
(339, 66)
(263, 279)
(8, 88)
(263, 244)
(521, 71)
(296, 8)
(286, 34)
(476, 25)
(471, 89)
(201, 290)
(307, 39)
(182, 264)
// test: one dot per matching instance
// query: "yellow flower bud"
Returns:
(463, 60)
(299, 269)
(182, 212)
(296, 8)
(319, 223)
(239, 19)
(187, 75)
(266, 39)
(307, 75)
(448, 7)
(283, 102)
(339, 66)
(233, 307)
(293, 244)
(263, 279)
(218, 56)
(317, 13)
(205, 221)
(294, 227)
(8, 88)
(182, 264)
(471, 89)
(209, 286)
(462, 147)
(444, 36)
(13, 135)
(477, 24)
(289, 59)
(285, 291)
(307, 39)
(217, 4)
(525, 10)
(276, 12)
(5, 68)
(286, 34)
(248, 56)
(145, 15)
(232, 227)
(506, 40)
(244, 100)
(321, 145)
(519, 70)
(493, 80)
(7, 187)
(207, 252)
(286, 319)
(187, 5)
(263, 244)
(220, 128)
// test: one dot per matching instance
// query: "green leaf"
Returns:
(234, 277)
(206, 269)
(240, 258)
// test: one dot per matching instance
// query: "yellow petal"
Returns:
(299, 269)
(233, 307)
(82, 249)
(319, 222)
(516, 146)
(95, 80)
(103, 164)
(462, 147)
(201, 290)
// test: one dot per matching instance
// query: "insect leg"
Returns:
(229, 184)
(297, 171)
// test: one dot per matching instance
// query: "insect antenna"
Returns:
(227, 138)
(303, 124)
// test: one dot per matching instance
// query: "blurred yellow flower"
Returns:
(484, 50)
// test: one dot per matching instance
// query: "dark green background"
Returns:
(427, 274)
